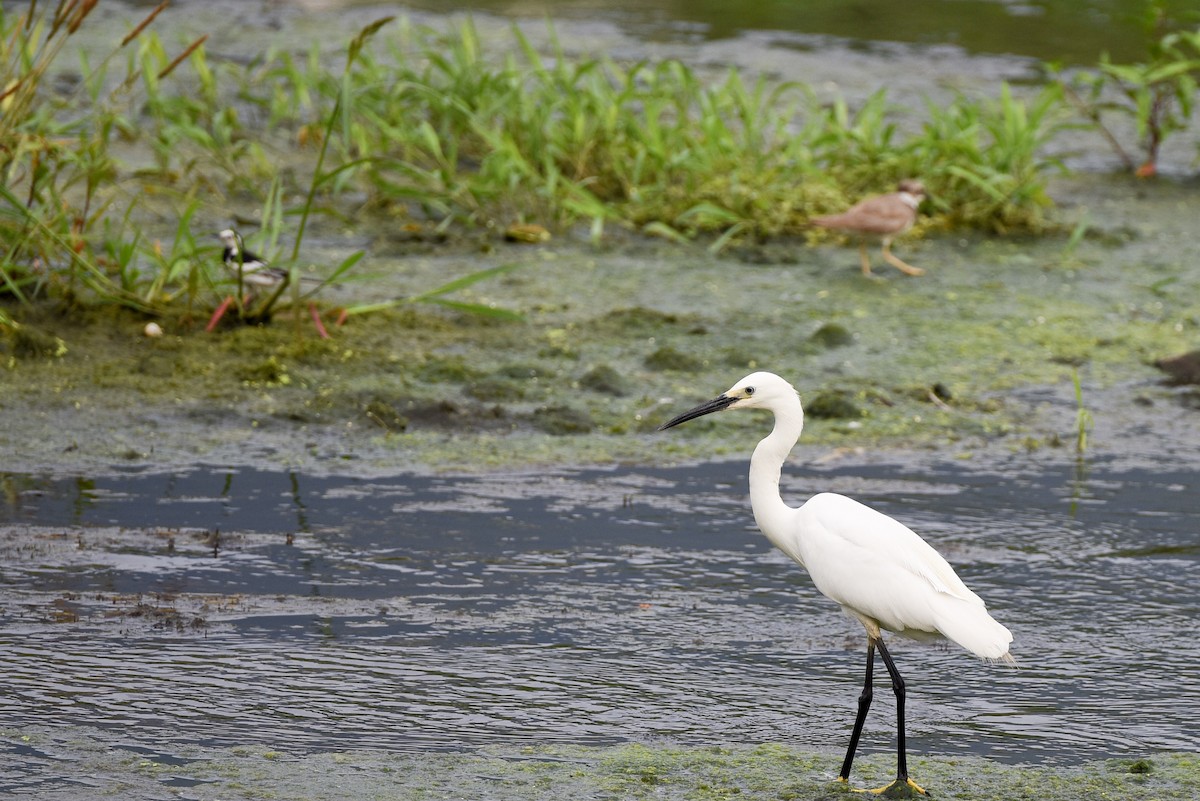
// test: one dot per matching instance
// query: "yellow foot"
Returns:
(897, 789)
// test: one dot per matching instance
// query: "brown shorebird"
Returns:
(882, 217)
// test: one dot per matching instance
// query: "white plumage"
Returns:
(876, 568)
(882, 573)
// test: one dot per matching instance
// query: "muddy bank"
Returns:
(634, 771)
(978, 353)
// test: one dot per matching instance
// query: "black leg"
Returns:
(898, 688)
(864, 703)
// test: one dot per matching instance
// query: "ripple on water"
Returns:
(431, 613)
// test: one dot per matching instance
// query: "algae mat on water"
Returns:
(104, 764)
(940, 361)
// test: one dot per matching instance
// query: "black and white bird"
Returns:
(255, 270)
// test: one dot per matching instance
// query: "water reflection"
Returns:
(415, 613)
(1073, 31)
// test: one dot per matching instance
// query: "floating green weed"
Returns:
(55, 162)
(437, 124)
(1083, 417)
(67, 227)
(983, 161)
(437, 296)
(1077, 235)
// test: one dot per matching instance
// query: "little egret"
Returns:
(877, 569)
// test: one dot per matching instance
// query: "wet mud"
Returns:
(615, 341)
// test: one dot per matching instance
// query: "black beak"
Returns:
(717, 404)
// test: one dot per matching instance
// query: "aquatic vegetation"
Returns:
(26, 342)
(466, 138)
(70, 227)
(53, 168)
(428, 128)
(1081, 229)
(437, 296)
(984, 162)
(1157, 94)
(1083, 417)
(664, 771)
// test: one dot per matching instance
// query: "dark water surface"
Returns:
(1074, 31)
(589, 607)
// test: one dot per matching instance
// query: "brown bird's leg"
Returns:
(908, 269)
(866, 260)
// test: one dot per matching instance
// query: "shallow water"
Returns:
(1076, 31)
(584, 607)
(421, 615)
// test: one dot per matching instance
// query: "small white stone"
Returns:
(152, 330)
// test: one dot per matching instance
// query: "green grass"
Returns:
(1083, 417)
(428, 127)
(1157, 94)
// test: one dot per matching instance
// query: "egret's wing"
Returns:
(880, 571)
(875, 538)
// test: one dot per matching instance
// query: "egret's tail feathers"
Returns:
(1007, 659)
(973, 628)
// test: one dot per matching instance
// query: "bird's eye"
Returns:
(749, 391)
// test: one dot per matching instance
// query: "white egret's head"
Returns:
(756, 391)
(760, 390)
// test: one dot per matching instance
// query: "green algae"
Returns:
(628, 771)
(669, 358)
(832, 405)
(29, 342)
(616, 342)
(832, 335)
(496, 389)
(562, 420)
(605, 379)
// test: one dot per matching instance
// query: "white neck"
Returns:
(909, 199)
(770, 512)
